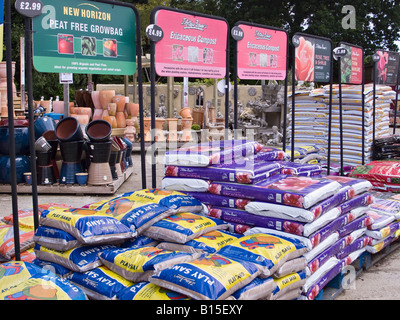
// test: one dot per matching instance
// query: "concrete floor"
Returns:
(381, 281)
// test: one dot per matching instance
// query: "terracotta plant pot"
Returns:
(58, 106)
(133, 109)
(112, 108)
(113, 122)
(97, 114)
(106, 97)
(82, 118)
(120, 103)
(172, 129)
(159, 131)
(185, 112)
(96, 99)
(98, 130)
(146, 129)
(121, 121)
(87, 111)
(187, 130)
(198, 117)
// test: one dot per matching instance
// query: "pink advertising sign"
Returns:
(261, 53)
(192, 46)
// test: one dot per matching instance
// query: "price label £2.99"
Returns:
(29, 8)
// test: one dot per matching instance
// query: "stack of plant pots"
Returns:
(45, 171)
(70, 136)
(99, 151)
(22, 161)
(46, 149)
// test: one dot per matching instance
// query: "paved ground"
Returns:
(381, 281)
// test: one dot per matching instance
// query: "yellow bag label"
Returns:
(268, 246)
(71, 216)
(227, 271)
(152, 195)
(287, 280)
(215, 239)
(134, 260)
(152, 291)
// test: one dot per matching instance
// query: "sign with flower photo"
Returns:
(351, 65)
(387, 67)
(313, 56)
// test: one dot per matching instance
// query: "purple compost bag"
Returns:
(244, 217)
(322, 257)
(361, 200)
(244, 172)
(270, 154)
(302, 192)
(314, 290)
(361, 222)
(295, 168)
(214, 152)
(320, 235)
(358, 185)
(386, 206)
(356, 245)
(211, 199)
(299, 214)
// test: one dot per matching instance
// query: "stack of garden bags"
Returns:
(334, 229)
(321, 211)
(384, 175)
(387, 148)
(310, 119)
(70, 241)
(386, 214)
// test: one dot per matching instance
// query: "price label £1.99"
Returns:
(29, 8)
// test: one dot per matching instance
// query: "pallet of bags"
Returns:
(383, 174)
(71, 240)
(243, 262)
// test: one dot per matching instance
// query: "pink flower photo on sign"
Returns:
(261, 54)
(192, 45)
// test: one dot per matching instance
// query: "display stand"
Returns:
(208, 58)
(266, 64)
(385, 71)
(325, 70)
(47, 59)
(355, 55)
